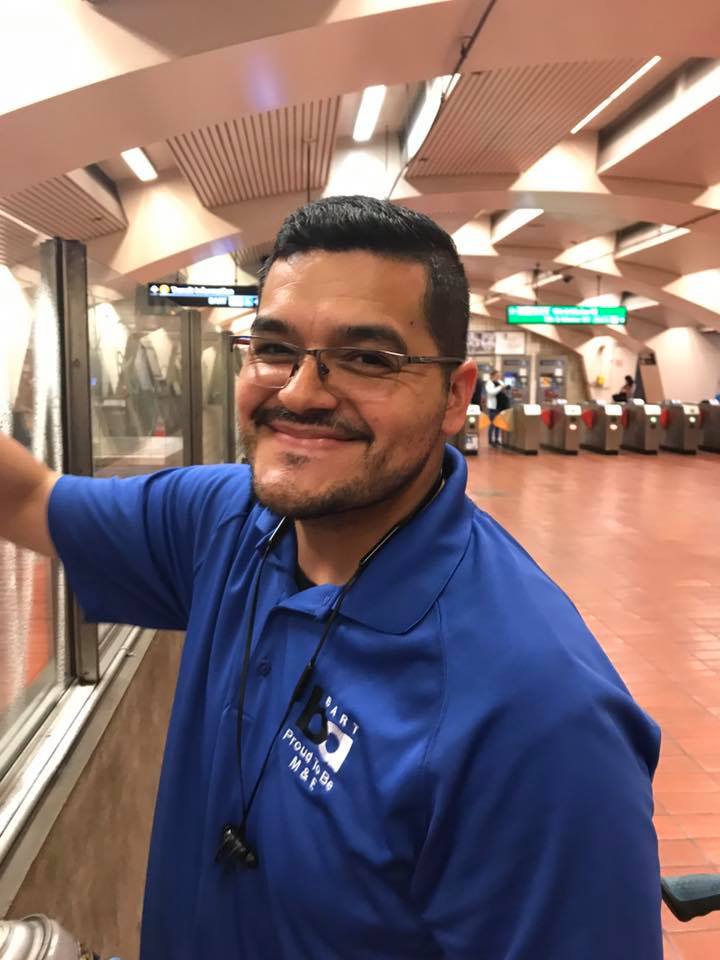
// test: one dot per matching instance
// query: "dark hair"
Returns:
(363, 223)
(628, 378)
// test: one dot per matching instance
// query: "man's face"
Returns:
(316, 450)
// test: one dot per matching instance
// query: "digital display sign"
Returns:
(579, 315)
(203, 295)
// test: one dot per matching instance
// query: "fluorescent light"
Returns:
(435, 92)
(601, 300)
(665, 232)
(368, 112)
(513, 220)
(617, 93)
(452, 80)
(638, 302)
(547, 278)
(139, 163)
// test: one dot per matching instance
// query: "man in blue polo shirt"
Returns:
(393, 736)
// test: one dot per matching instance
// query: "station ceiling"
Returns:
(244, 116)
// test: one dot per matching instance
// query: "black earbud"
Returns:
(234, 850)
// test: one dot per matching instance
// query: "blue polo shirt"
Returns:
(483, 791)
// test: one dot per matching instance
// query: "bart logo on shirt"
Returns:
(326, 725)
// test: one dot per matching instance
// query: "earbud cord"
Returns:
(304, 678)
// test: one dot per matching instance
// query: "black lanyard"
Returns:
(234, 849)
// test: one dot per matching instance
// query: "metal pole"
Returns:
(191, 340)
(228, 366)
(66, 271)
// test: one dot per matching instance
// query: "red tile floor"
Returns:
(635, 541)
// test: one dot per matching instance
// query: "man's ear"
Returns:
(462, 384)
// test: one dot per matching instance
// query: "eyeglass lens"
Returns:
(271, 364)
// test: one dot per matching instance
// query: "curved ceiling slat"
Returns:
(514, 115)
(60, 207)
(260, 155)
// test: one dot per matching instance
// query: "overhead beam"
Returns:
(691, 89)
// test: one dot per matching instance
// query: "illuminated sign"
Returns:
(203, 295)
(579, 315)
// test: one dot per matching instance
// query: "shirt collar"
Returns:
(400, 584)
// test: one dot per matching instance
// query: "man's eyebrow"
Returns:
(271, 325)
(378, 333)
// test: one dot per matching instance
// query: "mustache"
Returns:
(266, 416)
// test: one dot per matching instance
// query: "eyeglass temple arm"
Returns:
(455, 360)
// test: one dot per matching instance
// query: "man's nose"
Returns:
(306, 389)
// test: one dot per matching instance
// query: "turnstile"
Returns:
(560, 427)
(641, 426)
(468, 439)
(681, 422)
(523, 422)
(710, 425)
(602, 427)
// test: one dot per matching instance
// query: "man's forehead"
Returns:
(346, 276)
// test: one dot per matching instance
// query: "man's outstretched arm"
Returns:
(25, 486)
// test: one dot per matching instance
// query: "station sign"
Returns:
(203, 295)
(571, 315)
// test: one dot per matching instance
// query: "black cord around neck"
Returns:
(234, 848)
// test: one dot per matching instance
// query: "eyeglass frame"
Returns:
(323, 370)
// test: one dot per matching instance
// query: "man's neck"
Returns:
(330, 548)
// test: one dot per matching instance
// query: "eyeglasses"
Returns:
(272, 364)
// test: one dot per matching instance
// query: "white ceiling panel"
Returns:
(686, 254)
(502, 121)
(558, 232)
(260, 155)
(689, 152)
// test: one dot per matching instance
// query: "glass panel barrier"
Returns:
(33, 669)
(136, 366)
(136, 385)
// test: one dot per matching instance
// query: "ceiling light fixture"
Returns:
(139, 163)
(665, 232)
(513, 220)
(601, 300)
(436, 91)
(548, 278)
(617, 93)
(638, 302)
(368, 112)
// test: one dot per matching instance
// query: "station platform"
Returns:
(633, 541)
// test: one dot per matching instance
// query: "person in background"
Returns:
(477, 396)
(493, 388)
(626, 392)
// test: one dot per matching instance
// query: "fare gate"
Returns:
(710, 426)
(602, 427)
(641, 427)
(522, 423)
(681, 423)
(560, 427)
